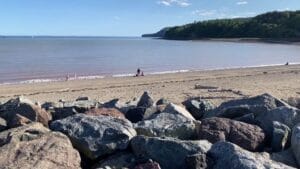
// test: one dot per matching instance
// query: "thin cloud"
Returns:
(242, 3)
(219, 14)
(181, 3)
(204, 12)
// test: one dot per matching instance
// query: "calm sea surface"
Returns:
(25, 59)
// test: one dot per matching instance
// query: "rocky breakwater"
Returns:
(255, 132)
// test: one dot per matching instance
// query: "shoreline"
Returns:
(280, 81)
(259, 40)
(126, 75)
(240, 40)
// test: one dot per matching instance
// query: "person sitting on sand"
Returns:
(287, 63)
(138, 72)
(67, 77)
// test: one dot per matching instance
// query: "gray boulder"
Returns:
(145, 101)
(117, 104)
(148, 165)
(250, 137)
(121, 160)
(167, 125)
(114, 103)
(294, 101)
(237, 108)
(288, 116)
(140, 113)
(162, 101)
(175, 109)
(34, 146)
(96, 136)
(3, 124)
(136, 114)
(235, 111)
(198, 161)
(82, 98)
(82, 106)
(49, 106)
(198, 107)
(23, 108)
(286, 157)
(248, 118)
(281, 136)
(228, 155)
(295, 142)
(66, 109)
(168, 152)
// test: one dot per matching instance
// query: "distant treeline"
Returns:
(274, 25)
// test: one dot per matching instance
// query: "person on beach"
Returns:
(67, 77)
(138, 72)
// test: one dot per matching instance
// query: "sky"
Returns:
(121, 17)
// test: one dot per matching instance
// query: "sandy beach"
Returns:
(214, 85)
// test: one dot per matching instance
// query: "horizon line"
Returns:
(67, 36)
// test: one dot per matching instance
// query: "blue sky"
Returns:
(121, 17)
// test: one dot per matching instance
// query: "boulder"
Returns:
(248, 118)
(82, 98)
(281, 136)
(123, 107)
(22, 108)
(162, 101)
(3, 125)
(198, 107)
(294, 101)
(295, 142)
(198, 161)
(59, 113)
(19, 120)
(140, 113)
(111, 104)
(288, 116)
(82, 106)
(49, 106)
(228, 155)
(96, 136)
(248, 136)
(34, 146)
(66, 109)
(117, 161)
(135, 114)
(148, 165)
(237, 108)
(235, 112)
(175, 109)
(286, 157)
(168, 152)
(105, 112)
(145, 101)
(167, 125)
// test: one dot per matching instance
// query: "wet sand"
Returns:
(215, 85)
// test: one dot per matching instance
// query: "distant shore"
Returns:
(242, 40)
(260, 40)
(214, 85)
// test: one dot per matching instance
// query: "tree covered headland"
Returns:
(272, 25)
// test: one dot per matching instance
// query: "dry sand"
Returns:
(280, 81)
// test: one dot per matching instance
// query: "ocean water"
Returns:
(25, 60)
